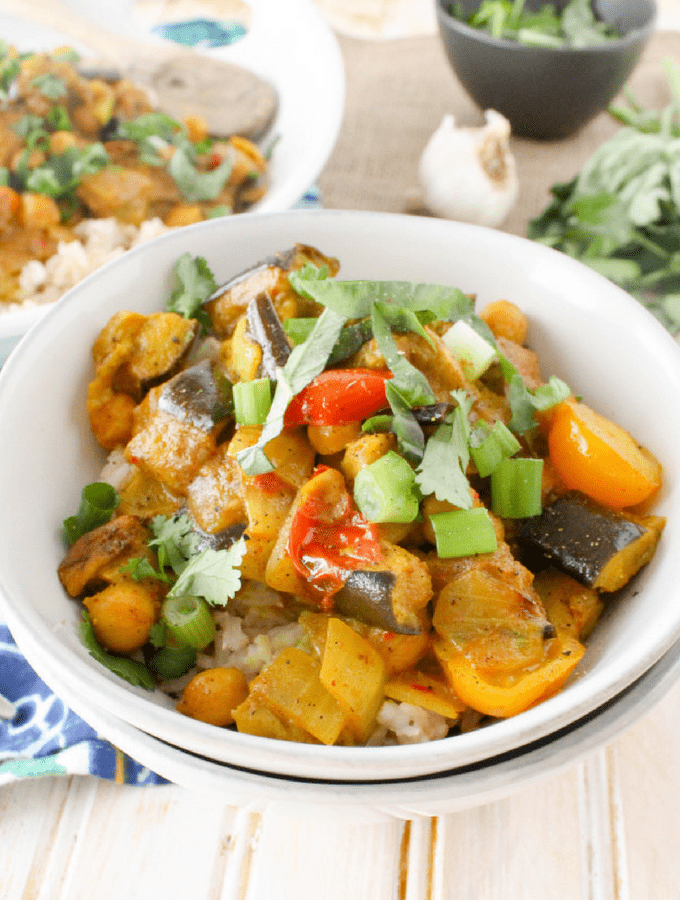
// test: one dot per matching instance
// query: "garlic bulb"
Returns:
(469, 174)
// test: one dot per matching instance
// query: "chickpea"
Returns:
(213, 695)
(506, 320)
(184, 214)
(10, 204)
(122, 615)
(329, 439)
(62, 140)
(38, 211)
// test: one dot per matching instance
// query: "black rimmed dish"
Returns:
(546, 92)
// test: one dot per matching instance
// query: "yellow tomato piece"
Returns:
(599, 458)
(508, 697)
(420, 689)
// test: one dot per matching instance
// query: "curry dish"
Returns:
(346, 512)
(76, 146)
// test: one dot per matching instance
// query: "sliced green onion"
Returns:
(385, 491)
(189, 621)
(516, 488)
(464, 532)
(220, 210)
(171, 662)
(98, 502)
(490, 446)
(252, 401)
(474, 353)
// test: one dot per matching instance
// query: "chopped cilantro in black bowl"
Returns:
(518, 58)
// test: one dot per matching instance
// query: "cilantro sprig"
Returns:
(211, 574)
(193, 283)
(621, 214)
(575, 26)
(442, 469)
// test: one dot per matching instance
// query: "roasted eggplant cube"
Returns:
(367, 596)
(598, 547)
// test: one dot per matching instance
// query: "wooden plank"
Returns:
(648, 762)
(308, 857)
(30, 812)
(520, 848)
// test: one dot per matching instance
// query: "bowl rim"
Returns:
(631, 38)
(441, 793)
(302, 18)
(26, 622)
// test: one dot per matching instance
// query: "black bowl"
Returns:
(546, 92)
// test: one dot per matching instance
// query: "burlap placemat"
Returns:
(397, 93)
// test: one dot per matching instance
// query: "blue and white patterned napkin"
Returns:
(45, 737)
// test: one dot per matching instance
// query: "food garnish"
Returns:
(574, 26)
(621, 214)
(383, 507)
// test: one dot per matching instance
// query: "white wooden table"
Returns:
(606, 829)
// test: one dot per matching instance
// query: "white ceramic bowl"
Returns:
(587, 331)
(446, 792)
(289, 45)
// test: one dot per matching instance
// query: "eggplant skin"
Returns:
(283, 260)
(220, 540)
(367, 596)
(194, 396)
(598, 547)
(265, 328)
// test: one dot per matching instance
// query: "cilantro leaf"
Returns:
(9, 70)
(50, 85)
(154, 124)
(130, 670)
(523, 402)
(194, 184)
(442, 470)
(212, 574)
(620, 215)
(194, 282)
(60, 174)
(174, 540)
(139, 568)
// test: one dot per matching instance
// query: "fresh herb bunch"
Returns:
(575, 26)
(621, 214)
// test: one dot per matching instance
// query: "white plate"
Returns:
(587, 331)
(445, 793)
(288, 44)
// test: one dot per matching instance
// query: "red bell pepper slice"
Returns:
(339, 397)
(329, 537)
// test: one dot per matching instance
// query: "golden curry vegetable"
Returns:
(340, 611)
(74, 148)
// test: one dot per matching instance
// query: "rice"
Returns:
(409, 724)
(96, 242)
